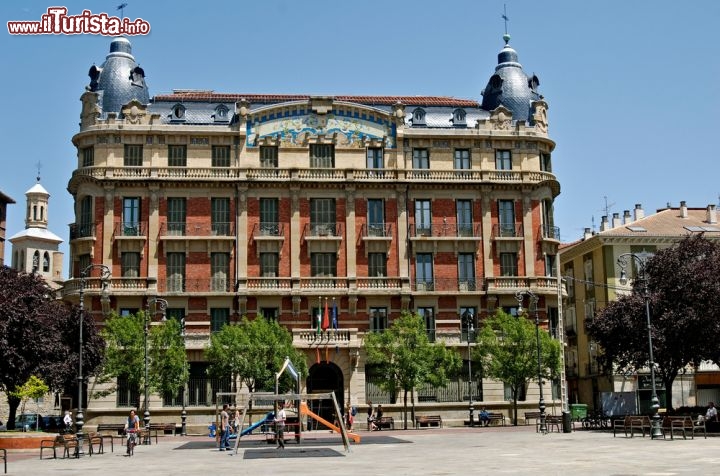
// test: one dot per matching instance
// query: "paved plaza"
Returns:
(500, 450)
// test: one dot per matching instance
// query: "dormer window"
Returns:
(496, 81)
(178, 113)
(418, 117)
(459, 117)
(137, 76)
(221, 113)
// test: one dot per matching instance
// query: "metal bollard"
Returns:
(567, 422)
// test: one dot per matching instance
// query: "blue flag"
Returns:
(334, 316)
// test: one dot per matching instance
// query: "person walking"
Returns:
(68, 421)
(224, 429)
(280, 418)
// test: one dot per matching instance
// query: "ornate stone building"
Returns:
(229, 205)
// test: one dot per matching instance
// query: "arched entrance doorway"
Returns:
(325, 377)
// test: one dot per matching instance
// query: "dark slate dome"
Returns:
(510, 86)
(119, 80)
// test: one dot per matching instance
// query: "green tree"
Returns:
(252, 352)
(33, 388)
(39, 335)
(169, 370)
(507, 350)
(406, 359)
(682, 289)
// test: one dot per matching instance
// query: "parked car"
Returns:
(53, 424)
(33, 421)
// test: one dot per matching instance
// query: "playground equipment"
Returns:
(304, 410)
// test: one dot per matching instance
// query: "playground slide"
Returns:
(306, 411)
(269, 417)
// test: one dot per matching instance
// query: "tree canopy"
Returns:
(39, 335)
(683, 284)
(507, 350)
(405, 358)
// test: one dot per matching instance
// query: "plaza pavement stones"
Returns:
(502, 450)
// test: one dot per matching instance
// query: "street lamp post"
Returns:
(520, 295)
(148, 318)
(641, 260)
(105, 279)
(468, 319)
(183, 414)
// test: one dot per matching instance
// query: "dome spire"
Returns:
(506, 36)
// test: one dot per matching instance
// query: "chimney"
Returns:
(683, 209)
(616, 220)
(626, 217)
(639, 213)
(604, 223)
(711, 214)
(588, 234)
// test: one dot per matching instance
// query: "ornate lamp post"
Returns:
(641, 259)
(520, 296)
(468, 319)
(148, 318)
(105, 280)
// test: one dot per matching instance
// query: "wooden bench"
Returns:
(66, 442)
(385, 422)
(111, 431)
(428, 421)
(532, 416)
(165, 428)
(496, 417)
(684, 425)
(95, 439)
(550, 422)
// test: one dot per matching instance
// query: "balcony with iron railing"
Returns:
(447, 285)
(550, 232)
(322, 231)
(169, 230)
(446, 231)
(82, 230)
(376, 231)
(507, 230)
(268, 231)
(131, 230)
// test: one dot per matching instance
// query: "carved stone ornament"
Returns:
(90, 109)
(501, 119)
(134, 112)
(540, 115)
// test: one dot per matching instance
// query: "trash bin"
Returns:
(578, 411)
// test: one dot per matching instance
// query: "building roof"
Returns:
(667, 222)
(37, 233)
(5, 198)
(37, 188)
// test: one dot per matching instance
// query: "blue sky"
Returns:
(632, 85)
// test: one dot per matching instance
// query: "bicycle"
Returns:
(131, 441)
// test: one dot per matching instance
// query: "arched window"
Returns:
(221, 113)
(459, 117)
(36, 261)
(418, 117)
(178, 112)
(46, 262)
(42, 212)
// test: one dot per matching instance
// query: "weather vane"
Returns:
(39, 166)
(505, 17)
(121, 7)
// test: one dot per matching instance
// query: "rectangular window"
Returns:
(268, 157)
(131, 216)
(269, 263)
(423, 214)
(322, 156)
(177, 156)
(424, 271)
(220, 216)
(375, 158)
(462, 159)
(506, 217)
(88, 156)
(176, 214)
(219, 271)
(464, 216)
(130, 264)
(219, 317)
(85, 226)
(270, 313)
(128, 395)
(377, 265)
(378, 319)
(503, 160)
(508, 264)
(269, 216)
(376, 217)
(221, 156)
(322, 216)
(466, 271)
(428, 315)
(545, 162)
(133, 155)
(508, 392)
(83, 262)
(421, 159)
(550, 265)
(175, 271)
(323, 264)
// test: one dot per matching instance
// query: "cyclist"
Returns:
(131, 429)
